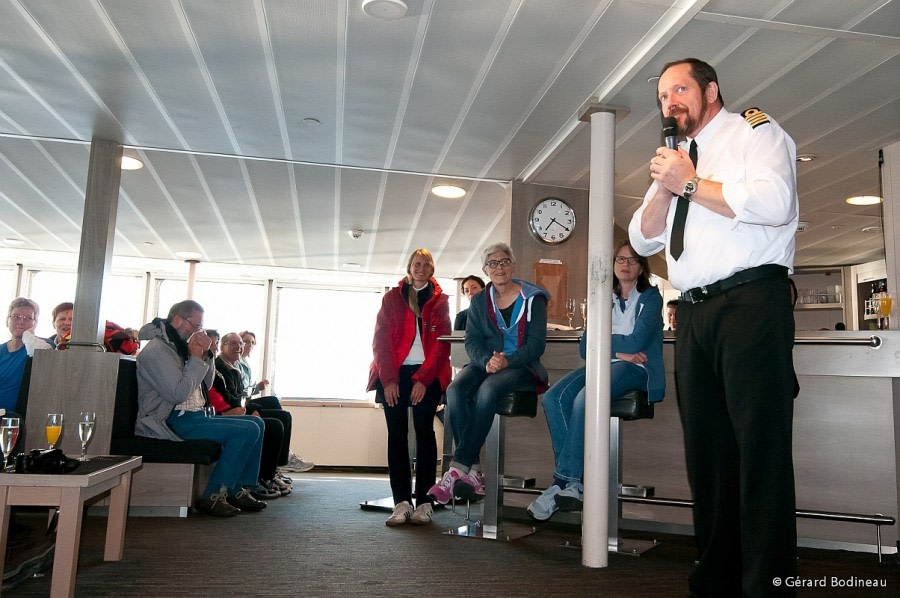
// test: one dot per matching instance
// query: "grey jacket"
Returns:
(164, 381)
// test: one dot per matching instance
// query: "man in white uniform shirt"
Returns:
(735, 326)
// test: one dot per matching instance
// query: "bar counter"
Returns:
(845, 437)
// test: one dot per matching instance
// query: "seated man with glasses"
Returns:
(175, 371)
(505, 337)
(21, 318)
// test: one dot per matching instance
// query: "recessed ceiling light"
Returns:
(13, 242)
(806, 157)
(871, 229)
(188, 255)
(863, 200)
(385, 9)
(311, 122)
(448, 191)
(129, 163)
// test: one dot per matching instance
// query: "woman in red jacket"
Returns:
(411, 368)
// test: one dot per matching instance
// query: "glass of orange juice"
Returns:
(54, 428)
(885, 303)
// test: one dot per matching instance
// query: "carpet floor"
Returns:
(318, 542)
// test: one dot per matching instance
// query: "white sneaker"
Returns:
(296, 465)
(572, 498)
(544, 506)
(400, 515)
(422, 515)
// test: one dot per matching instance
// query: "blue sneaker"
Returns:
(544, 506)
(572, 498)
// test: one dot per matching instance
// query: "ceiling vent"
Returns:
(802, 226)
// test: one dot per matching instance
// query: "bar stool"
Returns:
(520, 403)
(631, 406)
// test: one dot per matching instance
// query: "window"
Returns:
(323, 343)
(7, 286)
(122, 302)
(227, 307)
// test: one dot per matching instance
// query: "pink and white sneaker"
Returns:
(442, 492)
(469, 487)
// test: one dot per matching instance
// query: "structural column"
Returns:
(890, 184)
(97, 235)
(595, 527)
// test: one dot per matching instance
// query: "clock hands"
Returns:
(554, 221)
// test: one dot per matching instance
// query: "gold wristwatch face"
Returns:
(552, 220)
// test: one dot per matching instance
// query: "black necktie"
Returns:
(681, 210)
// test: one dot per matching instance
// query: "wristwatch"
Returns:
(690, 188)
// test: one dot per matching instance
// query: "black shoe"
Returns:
(217, 505)
(245, 502)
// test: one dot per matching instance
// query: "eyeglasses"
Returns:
(239, 343)
(494, 264)
(188, 320)
(621, 259)
(18, 318)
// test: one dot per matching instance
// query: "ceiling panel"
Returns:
(485, 91)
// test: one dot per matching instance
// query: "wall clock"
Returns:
(552, 220)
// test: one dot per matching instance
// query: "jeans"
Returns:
(564, 408)
(472, 399)
(241, 439)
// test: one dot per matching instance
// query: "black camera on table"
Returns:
(47, 461)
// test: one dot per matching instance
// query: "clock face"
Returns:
(552, 220)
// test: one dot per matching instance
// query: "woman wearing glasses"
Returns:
(411, 368)
(637, 364)
(505, 337)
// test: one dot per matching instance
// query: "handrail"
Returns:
(873, 341)
(877, 519)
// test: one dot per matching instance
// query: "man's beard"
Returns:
(692, 122)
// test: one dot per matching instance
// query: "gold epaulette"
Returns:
(755, 117)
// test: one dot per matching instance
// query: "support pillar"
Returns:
(97, 235)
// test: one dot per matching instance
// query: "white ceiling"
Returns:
(212, 96)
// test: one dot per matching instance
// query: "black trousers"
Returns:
(271, 407)
(273, 438)
(397, 419)
(735, 380)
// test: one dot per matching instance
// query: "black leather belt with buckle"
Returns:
(698, 294)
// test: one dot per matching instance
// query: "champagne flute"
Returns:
(584, 313)
(885, 303)
(9, 433)
(54, 428)
(570, 310)
(85, 429)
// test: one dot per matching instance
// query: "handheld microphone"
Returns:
(670, 132)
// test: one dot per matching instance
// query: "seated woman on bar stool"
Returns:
(411, 368)
(637, 364)
(505, 337)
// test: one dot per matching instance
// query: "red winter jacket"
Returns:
(395, 331)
